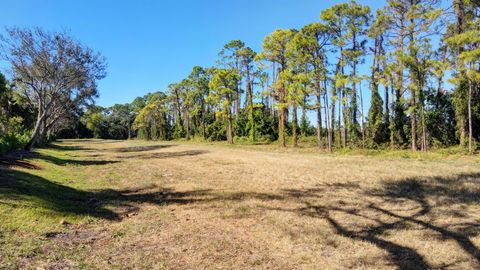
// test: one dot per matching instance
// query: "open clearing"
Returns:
(152, 205)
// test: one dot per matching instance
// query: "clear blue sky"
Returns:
(150, 44)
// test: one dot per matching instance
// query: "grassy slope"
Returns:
(89, 202)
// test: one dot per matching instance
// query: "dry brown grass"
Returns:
(178, 206)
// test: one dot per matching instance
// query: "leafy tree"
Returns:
(247, 56)
(120, 120)
(94, 120)
(152, 121)
(335, 19)
(465, 42)
(230, 58)
(199, 79)
(357, 19)
(309, 49)
(377, 120)
(275, 50)
(393, 23)
(440, 117)
(54, 73)
(177, 99)
(222, 89)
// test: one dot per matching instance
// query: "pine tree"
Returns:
(467, 43)
(309, 47)
(247, 55)
(223, 87)
(274, 50)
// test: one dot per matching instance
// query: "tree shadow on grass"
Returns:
(392, 208)
(67, 148)
(28, 190)
(412, 196)
(164, 155)
(89, 141)
(399, 205)
(16, 163)
(444, 191)
(78, 162)
(141, 148)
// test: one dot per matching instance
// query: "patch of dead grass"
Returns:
(207, 207)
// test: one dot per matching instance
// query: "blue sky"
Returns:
(150, 44)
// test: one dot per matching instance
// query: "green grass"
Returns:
(40, 201)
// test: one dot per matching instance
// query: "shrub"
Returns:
(12, 141)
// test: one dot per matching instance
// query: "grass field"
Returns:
(94, 204)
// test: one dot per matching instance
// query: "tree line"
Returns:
(418, 60)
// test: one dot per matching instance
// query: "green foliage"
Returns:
(398, 123)
(94, 120)
(440, 119)
(304, 125)
(264, 128)
(377, 130)
(151, 120)
(217, 131)
(275, 46)
(12, 141)
(13, 130)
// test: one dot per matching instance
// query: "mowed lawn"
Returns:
(94, 204)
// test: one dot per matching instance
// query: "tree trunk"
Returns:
(229, 124)
(362, 128)
(319, 117)
(459, 8)
(237, 103)
(393, 109)
(250, 106)
(343, 98)
(396, 132)
(332, 116)
(282, 115)
(413, 91)
(281, 128)
(424, 128)
(339, 125)
(344, 117)
(413, 121)
(33, 138)
(294, 124)
(327, 120)
(470, 129)
(387, 108)
(354, 105)
(187, 124)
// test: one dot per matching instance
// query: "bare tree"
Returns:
(54, 72)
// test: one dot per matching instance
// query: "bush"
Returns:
(216, 131)
(12, 141)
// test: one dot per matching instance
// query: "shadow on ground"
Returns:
(141, 148)
(23, 186)
(28, 190)
(65, 161)
(65, 148)
(164, 155)
(409, 200)
(393, 207)
(15, 163)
